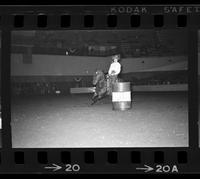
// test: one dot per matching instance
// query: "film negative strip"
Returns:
(100, 89)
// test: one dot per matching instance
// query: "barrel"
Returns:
(121, 96)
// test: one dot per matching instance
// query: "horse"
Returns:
(100, 83)
(103, 85)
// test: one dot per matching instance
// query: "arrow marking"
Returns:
(146, 169)
(54, 167)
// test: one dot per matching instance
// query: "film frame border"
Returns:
(96, 160)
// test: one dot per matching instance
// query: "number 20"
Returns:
(72, 168)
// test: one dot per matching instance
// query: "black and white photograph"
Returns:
(99, 88)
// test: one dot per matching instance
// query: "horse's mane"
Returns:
(102, 78)
(101, 73)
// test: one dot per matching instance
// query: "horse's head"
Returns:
(99, 75)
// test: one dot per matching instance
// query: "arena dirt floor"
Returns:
(155, 120)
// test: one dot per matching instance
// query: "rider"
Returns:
(115, 68)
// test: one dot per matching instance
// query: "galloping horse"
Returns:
(103, 85)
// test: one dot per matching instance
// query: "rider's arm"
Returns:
(110, 69)
(117, 68)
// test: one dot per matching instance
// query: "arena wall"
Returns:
(56, 65)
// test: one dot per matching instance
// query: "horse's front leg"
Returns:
(94, 98)
(94, 95)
